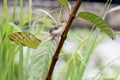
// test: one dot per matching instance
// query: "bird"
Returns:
(57, 30)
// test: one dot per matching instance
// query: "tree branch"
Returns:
(63, 37)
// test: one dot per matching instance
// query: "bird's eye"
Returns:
(62, 21)
(55, 28)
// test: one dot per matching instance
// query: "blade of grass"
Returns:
(21, 75)
(60, 13)
(87, 52)
(21, 64)
(14, 10)
(6, 11)
(47, 13)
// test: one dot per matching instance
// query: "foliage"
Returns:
(22, 63)
(24, 39)
(98, 22)
(65, 3)
(42, 55)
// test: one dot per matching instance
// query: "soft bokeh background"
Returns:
(108, 51)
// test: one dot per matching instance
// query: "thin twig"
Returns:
(63, 37)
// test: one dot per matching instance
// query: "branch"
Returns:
(63, 37)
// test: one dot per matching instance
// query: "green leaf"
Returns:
(11, 24)
(24, 39)
(98, 22)
(41, 59)
(26, 18)
(65, 3)
(47, 22)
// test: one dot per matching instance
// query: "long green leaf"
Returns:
(65, 3)
(87, 51)
(20, 70)
(41, 59)
(98, 22)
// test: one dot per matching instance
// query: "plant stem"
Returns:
(63, 37)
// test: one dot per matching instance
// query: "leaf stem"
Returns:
(63, 38)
